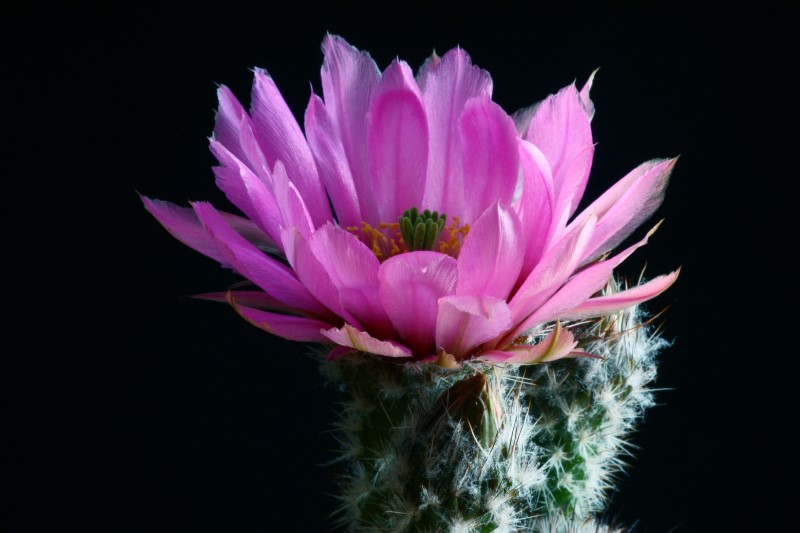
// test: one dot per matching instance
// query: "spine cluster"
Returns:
(492, 448)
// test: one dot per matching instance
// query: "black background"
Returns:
(129, 407)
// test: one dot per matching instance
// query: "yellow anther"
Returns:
(386, 240)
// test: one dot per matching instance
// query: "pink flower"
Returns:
(338, 244)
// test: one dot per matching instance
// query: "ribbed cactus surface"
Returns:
(489, 447)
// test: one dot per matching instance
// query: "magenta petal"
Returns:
(559, 343)
(255, 299)
(183, 224)
(535, 206)
(293, 210)
(447, 84)
(280, 139)
(398, 142)
(560, 129)
(582, 286)
(490, 260)
(353, 270)
(348, 79)
(606, 305)
(628, 203)
(293, 328)
(272, 277)
(246, 191)
(464, 322)
(490, 156)
(410, 286)
(556, 266)
(234, 130)
(334, 170)
(364, 342)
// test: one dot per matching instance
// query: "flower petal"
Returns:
(246, 191)
(560, 129)
(349, 336)
(398, 142)
(233, 129)
(280, 138)
(628, 203)
(293, 328)
(255, 299)
(447, 84)
(183, 224)
(272, 277)
(353, 270)
(490, 260)
(611, 303)
(465, 322)
(535, 206)
(334, 170)
(410, 286)
(348, 79)
(556, 266)
(293, 210)
(559, 343)
(490, 157)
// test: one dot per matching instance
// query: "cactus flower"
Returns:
(413, 218)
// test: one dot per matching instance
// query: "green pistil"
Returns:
(421, 231)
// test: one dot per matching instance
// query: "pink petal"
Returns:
(246, 191)
(609, 304)
(628, 203)
(584, 94)
(556, 266)
(560, 129)
(348, 79)
(334, 170)
(410, 286)
(234, 130)
(280, 138)
(465, 322)
(535, 206)
(398, 142)
(272, 277)
(363, 342)
(582, 286)
(353, 270)
(183, 224)
(490, 260)
(447, 84)
(559, 343)
(256, 299)
(490, 157)
(293, 328)
(292, 208)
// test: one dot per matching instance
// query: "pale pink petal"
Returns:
(293, 328)
(348, 79)
(490, 259)
(280, 139)
(234, 130)
(398, 142)
(628, 203)
(580, 287)
(490, 157)
(585, 99)
(334, 170)
(606, 305)
(556, 266)
(447, 84)
(246, 191)
(535, 205)
(464, 322)
(353, 270)
(410, 286)
(560, 129)
(183, 224)
(349, 336)
(272, 277)
(559, 343)
(292, 208)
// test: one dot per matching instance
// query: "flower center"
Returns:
(412, 232)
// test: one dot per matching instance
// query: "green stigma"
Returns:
(421, 231)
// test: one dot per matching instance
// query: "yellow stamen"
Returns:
(385, 240)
